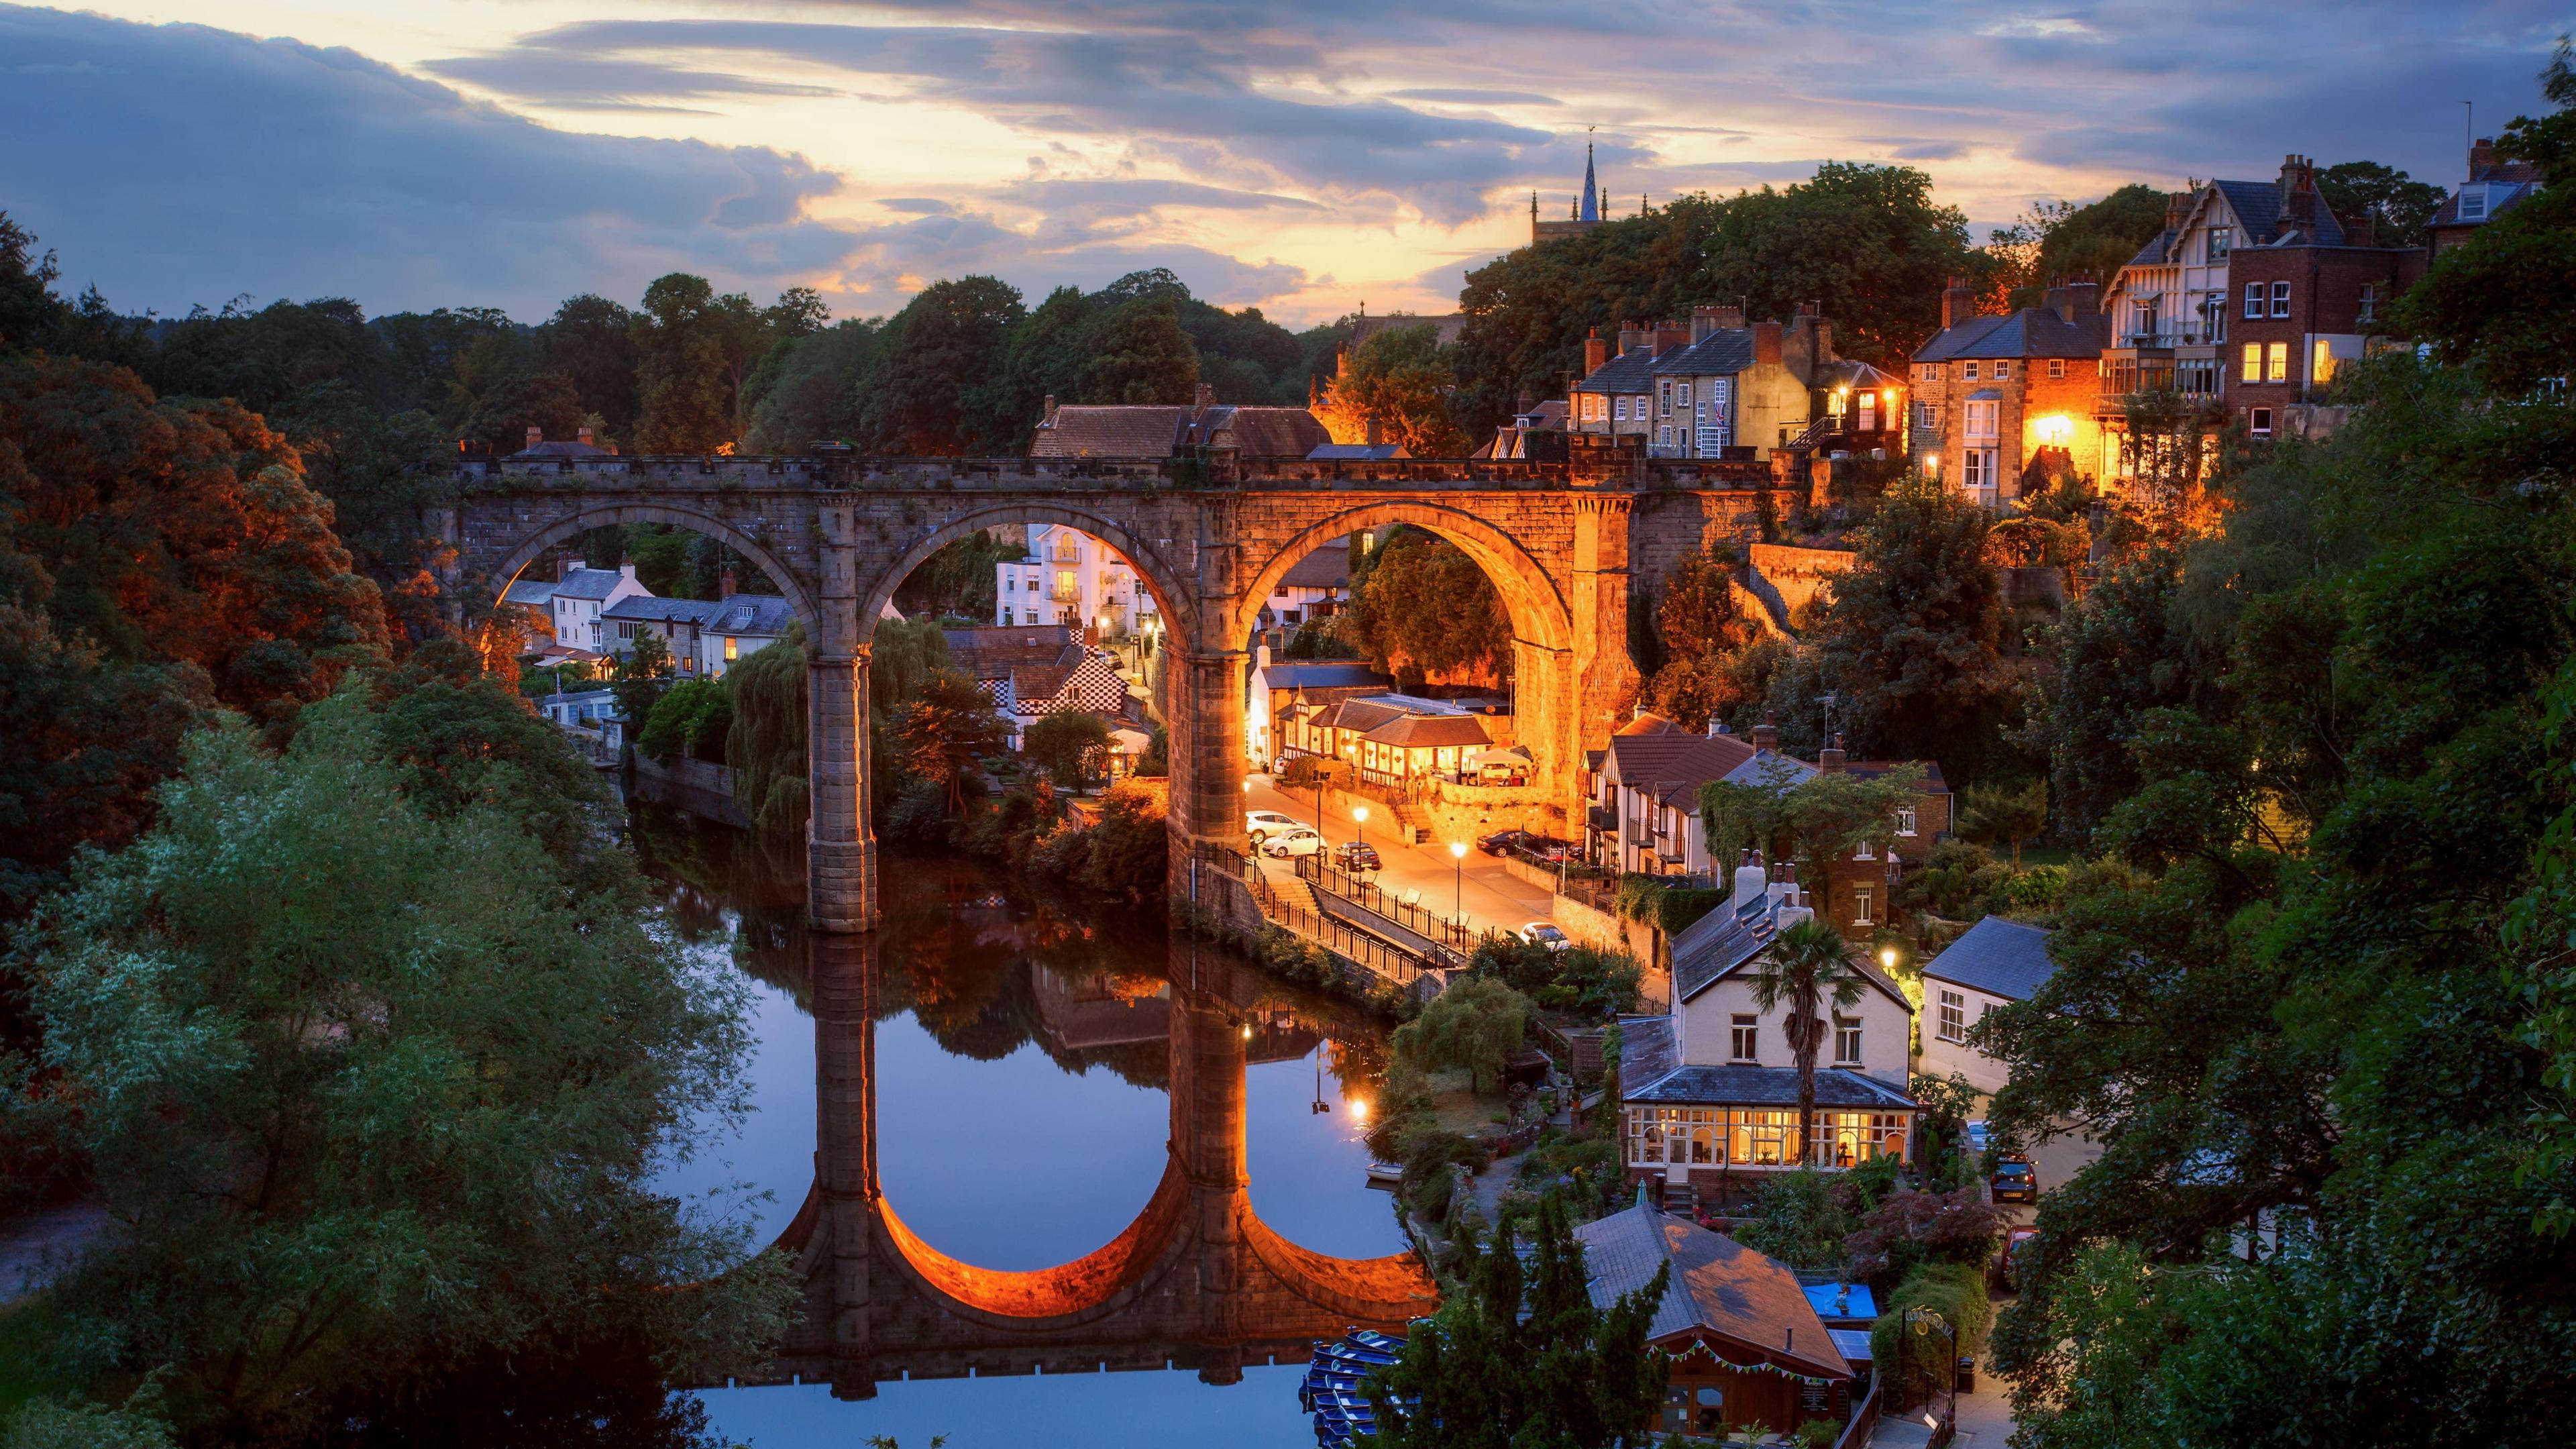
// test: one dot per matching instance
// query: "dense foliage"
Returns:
(1422, 609)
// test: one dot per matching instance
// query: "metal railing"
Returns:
(1353, 945)
(1443, 932)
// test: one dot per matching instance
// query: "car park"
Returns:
(1356, 855)
(1303, 840)
(2015, 1180)
(1262, 824)
(1545, 933)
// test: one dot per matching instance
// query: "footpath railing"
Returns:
(1440, 932)
(1341, 938)
(1864, 1420)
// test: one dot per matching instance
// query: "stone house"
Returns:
(1715, 389)
(1157, 430)
(737, 627)
(1991, 392)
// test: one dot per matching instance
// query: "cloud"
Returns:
(882, 258)
(181, 164)
(1476, 97)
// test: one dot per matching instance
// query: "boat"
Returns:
(1385, 1174)
(1335, 1388)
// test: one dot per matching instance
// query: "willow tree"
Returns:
(766, 747)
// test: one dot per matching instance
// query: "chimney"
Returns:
(1811, 309)
(2083, 299)
(1829, 760)
(1206, 395)
(2055, 300)
(1751, 881)
(1766, 342)
(1596, 353)
(1705, 320)
(536, 435)
(1766, 735)
(1958, 303)
(1261, 657)
(2298, 195)
(582, 435)
(1376, 433)
(2177, 209)
(1631, 336)
(724, 582)
(1716, 726)
(572, 564)
(2358, 232)
(1050, 412)
(626, 569)
(2481, 156)
(1669, 335)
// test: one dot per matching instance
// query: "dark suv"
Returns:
(2014, 1181)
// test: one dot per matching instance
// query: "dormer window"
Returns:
(2473, 203)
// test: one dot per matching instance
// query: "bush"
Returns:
(1913, 1366)
(1073, 748)
(1801, 1218)
(1582, 981)
(692, 718)
(1911, 1228)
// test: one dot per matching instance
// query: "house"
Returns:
(1856, 409)
(674, 621)
(1996, 961)
(1276, 687)
(1709, 1088)
(1391, 739)
(531, 602)
(1536, 434)
(1746, 1343)
(2307, 309)
(1031, 672)
(1716, 389)
(1157, 430)
(1312, 588)
(1643, 816)
(581, 593)
(737, 627)
(2494, 187)
(579, 447)
(1992, 393)
(1069, 577)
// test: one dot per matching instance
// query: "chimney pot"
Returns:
(582, 433)
(1766, 342)
(2481, 156)
(536, 435)
(1050, 411)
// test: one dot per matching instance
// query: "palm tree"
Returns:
(1808, 964)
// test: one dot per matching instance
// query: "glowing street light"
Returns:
(1359, 813)
(1458, 861)
(1887, 956)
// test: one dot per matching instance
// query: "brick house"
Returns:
(1714, 389)
(2306, 310)
(1991, 392)
(2494, 187)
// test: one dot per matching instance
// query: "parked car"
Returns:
(1260, 824)
(1503, 842)
(1545, 933)
(1356, 855)
(1302, 840)
(2014, 1181)
(2007, 1274)
(1548, 848)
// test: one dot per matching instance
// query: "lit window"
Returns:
(2276, 363)
(2322, 366)
(1744, 1035)
(1954, 1017)
(2253, 362)
(2259, 422)
(1846, 1041)
(2253, 299)
(2218, 241)
(2057, 369)
(2280, 299)
(730, 652)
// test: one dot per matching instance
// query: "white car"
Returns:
(1301, 840)
(1545, 933)
(1260, 824)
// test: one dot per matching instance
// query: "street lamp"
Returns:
(1360, 813)
(1887, 956)
(1921, 1320)
(1458, 861)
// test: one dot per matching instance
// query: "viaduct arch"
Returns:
(1565, 543)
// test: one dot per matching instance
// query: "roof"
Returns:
(1157, 430)
(765, 614)
(994, 653)
(2030, 332)
(566, 449)
(1649, 1047)
(2257, 205)
(1430, 731)
(588, 583)
(1674, 759)
(529, 591)
(1719, 1287)
(1845, 1301)
(1747, 1086)
(1328, 567)
(1724, 352)
(1630, 372)
(1030, 682)
(1359, 452)
(1546, 415)
(2153, 254)
(1323, 674)
(1854, 373)
(1851, 1343)
(2507, 184)
(1274, 432)
(651, 609)
(1728, 939)
(1996, 956)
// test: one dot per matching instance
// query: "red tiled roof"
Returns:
(1430, 731)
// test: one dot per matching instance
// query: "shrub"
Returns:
(1073, 748)
(1801, 1218)
(1912, 1227)
(1475, 1025)
(692, 718)
(1914, 1365)
(1582, 981)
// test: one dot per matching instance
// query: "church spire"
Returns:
(1590, 204)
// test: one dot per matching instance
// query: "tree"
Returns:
(1420, 606)
(1815, 822)
(1399, 379)
(1913, 1227)
(1474, 1027)
(1993, 814)
(801, 391)
(1071, 747)
(2058, 241)
(946, 727)
(592, 341)
(935, 387)
(1807, 967)
(682, 377)
(1702, 628)
(766, 747)
(643, 674)
(367, 463)
(2398, 208)
(1137, 353)
(1523, 1356)
(301, 1164)
(546, 401)
(692, 718)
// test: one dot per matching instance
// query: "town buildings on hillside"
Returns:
(1069, 577)
(2494, 187)
(1032, 671)
(1991, 392)
(1717, 388)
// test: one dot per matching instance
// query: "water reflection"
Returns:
(1050, 1140)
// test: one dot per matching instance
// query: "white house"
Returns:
(1709, 1089)
(1069, 577)
(1275, 686)
(738, 627)
(1312, 588)
(1995, 962)
(581, 595)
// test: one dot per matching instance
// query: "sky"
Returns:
(1310, 158)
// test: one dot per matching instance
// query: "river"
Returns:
(1023, 1110)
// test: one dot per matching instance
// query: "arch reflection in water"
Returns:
(1197, 1280)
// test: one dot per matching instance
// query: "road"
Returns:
(1493, 897)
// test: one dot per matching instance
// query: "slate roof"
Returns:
(2508, 184)
(1722, 353)
(1996, 956)
(1719, 1287)
(2257, 205)
(1275, 432)
(536, 592)
(2030, 332)
(1649, 1047)
(649, 609)
(1730, 938)
(1328, 567)
(587, 583)
(2153, 254)
(1323, 674)
(1632, 371)
(761, 614)
(994, 652)
(1430, 731)
(1748, 1086)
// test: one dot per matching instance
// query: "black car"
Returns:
(1503, 842)
(1355, 856)
(2014, 1181)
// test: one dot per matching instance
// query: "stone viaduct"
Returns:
(1566, 545)
(1198, 1280)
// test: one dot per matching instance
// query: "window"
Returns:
(2259, 422)
(2219, 238)
(1846, 1041)
(1744, 1037)
(732, 649)
(1664, 399)
(2280, 299)
(1681, 393)
(1981, 419)
(2276, 363)
(2057, 369)
(1663, 435)
(2002, 370)
(1864, 905)
(1925, 417)
(2253, 299)
(1954, 1017)
(2473, 203)
(2321, 367)
(1970, 374)
(625, 630)
(2253, 362)
(2369, 303)
(1619, 409)
(1972, 468)
(1905, 820)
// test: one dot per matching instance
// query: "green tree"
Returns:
(935, 389)
(505, 411)
(1137, 353)
(693, 718)
(1072, 748)
(367, 463)
(1474, 1026)
(2060, 241)
(1807, 969)
(302, 1165)
(2398, 207)
(1420, 606)
(1523, 1356)
(1997, 814)
(1702, 627)
(591, 340)
(682, 368)
(1399, 379)
(801, 392)
(766, 747)
(1815, 821)
(947, 725)
(643, 675)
